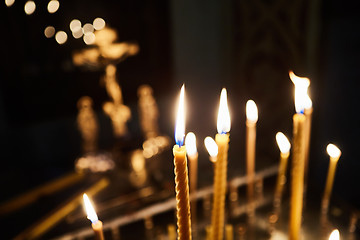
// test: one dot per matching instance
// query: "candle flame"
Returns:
(283, 142)
(90, 211)
(180, 119)
(301, 87)
(251, 111)
(333, 151)
(190, 143)
(335, 235)
(223, 120)
(211, 146)
(308, 102)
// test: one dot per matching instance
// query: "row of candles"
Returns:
(218, 151)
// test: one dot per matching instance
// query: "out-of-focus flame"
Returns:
(283, 142)
(333, 151)
(90, 211)
(251, 111)
(75, 25)
(9, 3)
(99, 23)
(29, 7)
(335, 235)
(180, 119)
(301, 87)
(53, 6)
(61, 37)
(223, 120)
(190, 143)
(211, 146)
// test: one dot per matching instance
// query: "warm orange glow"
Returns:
(61, 37)
(87, 28)
(49, 31)
(90, 211)
(9, 3)
(211, 146)
(251, 111)
(335, 235)
(89, 38)
(223, 120)
(29, 7)
(301, 87)
(283, 142)
(75, 25)
(333, 151)
(99, 23)
(180, 119)
(190, 143)
(53, 6)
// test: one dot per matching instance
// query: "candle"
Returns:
(251, 119)
(308, 114)
(222, 141)
(298, 160)
(334, 153)
(284, 146)
(335, 235)
(181, 174)
(96, 225)
(190, 143)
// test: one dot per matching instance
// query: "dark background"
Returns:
(246, 46)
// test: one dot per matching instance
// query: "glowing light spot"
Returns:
(89, 38)
(283, 142)
(251, 111)
(190, 143)
(49, 31)
(9, 3)
(75, 25)
(211, 146)
(335, 235)
(99, 23)
(29, 7)
(223, 120)
(61, 37)
(333, 151)
(78, 34)
(53, 6)
(88, 28)
(180, 119)
(90, 211)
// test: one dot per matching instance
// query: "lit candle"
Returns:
(96, 225)
(222, 141)
(251, 119)
(191, 150)
(335, 235)
(298, 160)
(181, 174)
(334, 153)
(284, 146)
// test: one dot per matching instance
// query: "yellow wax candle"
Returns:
(251, 119)
(284, 146)
(334, 153)
(220, 173)
(229, 232)
(298, 158)
(181, 175)
(308, 114)
(96, 225)
(190, 143)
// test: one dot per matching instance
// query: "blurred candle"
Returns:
(284, 146)
(335, 235)
(96, 225)
(334, 153)
(181, 174)
(298, 159)
(222, 141)
(191, 150)
(251, 119)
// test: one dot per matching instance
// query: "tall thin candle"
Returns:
(96, 225)
(181, 174)
(222, 141)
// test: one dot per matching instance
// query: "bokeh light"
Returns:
(88, 28)
(9, 3)
(99, 23)
(61, 37)
(53, 6)
(29, 7)
(75, 25)
(89, 38)
(78, 34)
(49, 31)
